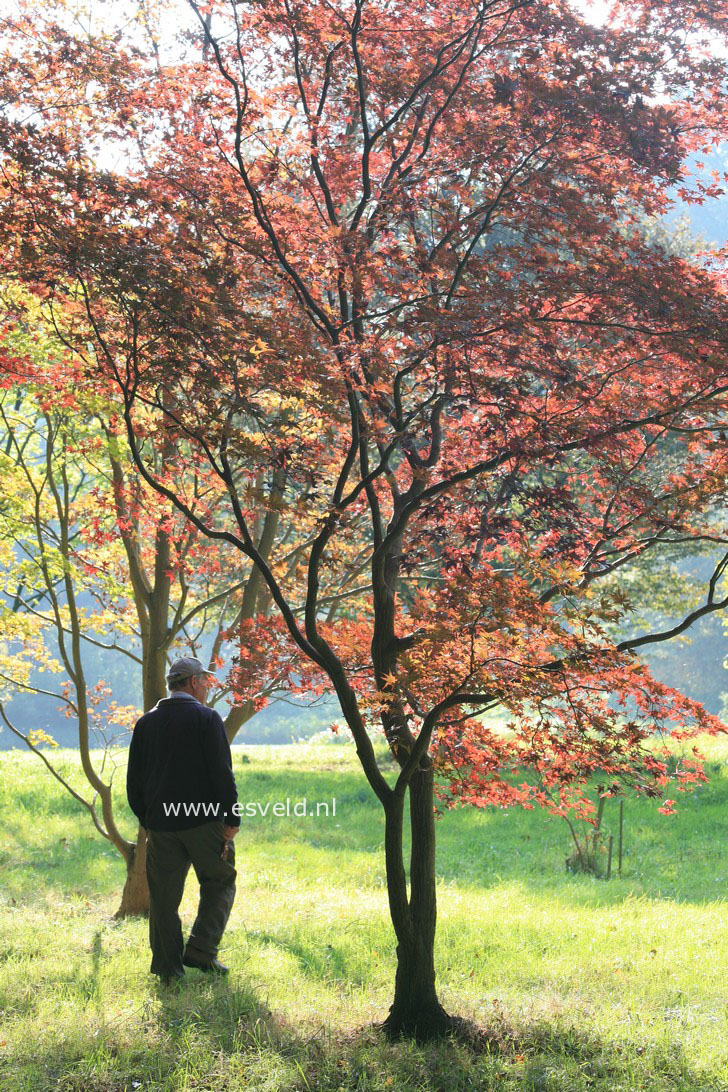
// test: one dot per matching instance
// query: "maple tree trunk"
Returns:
(237, 717)
(154, 678)
(416, 1010)
(135, 896)
(154, 655)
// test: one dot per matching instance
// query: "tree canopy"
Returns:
(381, 269)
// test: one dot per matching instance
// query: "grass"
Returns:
(579, 983)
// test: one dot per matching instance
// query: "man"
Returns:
(181, 787)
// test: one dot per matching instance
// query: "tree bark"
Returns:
(237, 717)
(154, 656)
(416, 1010)
(135, 896)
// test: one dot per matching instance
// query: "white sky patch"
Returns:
(595, 12)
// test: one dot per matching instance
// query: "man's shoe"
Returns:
(211, 966)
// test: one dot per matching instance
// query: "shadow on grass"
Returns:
(78, 978)
(325, 962)
(221, 1036)
(88, 985)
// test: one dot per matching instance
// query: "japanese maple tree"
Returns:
(92, 559)
(383, 267)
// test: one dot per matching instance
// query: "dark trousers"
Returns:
(169, 856)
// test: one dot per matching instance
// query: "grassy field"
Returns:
(580, 983)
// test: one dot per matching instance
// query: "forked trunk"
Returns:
(237, 717)
(416, 1010)
(135, 896)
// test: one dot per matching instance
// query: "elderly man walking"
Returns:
(181, 787)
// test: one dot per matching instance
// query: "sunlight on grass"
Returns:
(579, 983)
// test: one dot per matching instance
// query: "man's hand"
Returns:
(229, 833)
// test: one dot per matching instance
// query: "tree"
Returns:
(390, 258)
(93, 561)
(55, 581)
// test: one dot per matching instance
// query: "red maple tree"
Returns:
(383, 267)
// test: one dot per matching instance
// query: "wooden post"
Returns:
(600, 808)
(621, 828)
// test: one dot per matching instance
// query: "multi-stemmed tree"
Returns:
(99, 582)
(102, 583)
(380, 269)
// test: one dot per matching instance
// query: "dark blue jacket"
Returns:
(180, 772)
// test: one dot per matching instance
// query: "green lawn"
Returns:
(580, 983)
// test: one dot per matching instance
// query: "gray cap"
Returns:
(185, 668)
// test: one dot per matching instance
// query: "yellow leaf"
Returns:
(37, 735)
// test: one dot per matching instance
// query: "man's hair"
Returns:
(178, 684)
